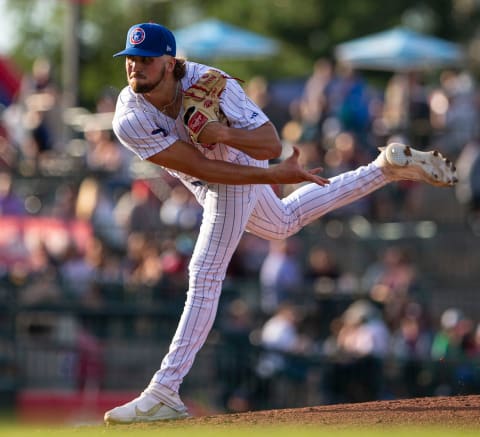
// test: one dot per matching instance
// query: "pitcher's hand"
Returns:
(290, 171)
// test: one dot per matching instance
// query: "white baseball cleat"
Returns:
(401, 162)
(145, 409)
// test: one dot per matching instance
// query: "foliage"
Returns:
(306, 29)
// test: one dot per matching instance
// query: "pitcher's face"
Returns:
(145, 73)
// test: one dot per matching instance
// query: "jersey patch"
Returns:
(160, 130)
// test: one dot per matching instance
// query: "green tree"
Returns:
(306, 30)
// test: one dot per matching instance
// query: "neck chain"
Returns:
(163, 108)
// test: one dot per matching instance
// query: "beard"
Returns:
(146, 87)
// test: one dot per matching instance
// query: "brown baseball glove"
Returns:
(201, 103)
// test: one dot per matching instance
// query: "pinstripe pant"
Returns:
(228, 211)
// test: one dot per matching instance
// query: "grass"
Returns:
(10, 430)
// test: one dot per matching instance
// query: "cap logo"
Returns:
(137, 36)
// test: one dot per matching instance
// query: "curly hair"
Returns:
(180, 68)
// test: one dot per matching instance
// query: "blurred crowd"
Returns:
(350, 346)
(342, 118)
(83, 221)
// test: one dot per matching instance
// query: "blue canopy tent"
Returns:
(400, 50)
(404, 52)
(212, 39)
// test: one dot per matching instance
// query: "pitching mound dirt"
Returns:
(456, 411)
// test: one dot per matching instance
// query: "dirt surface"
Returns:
(457, 411)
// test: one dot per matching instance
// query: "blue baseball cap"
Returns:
(149, 39)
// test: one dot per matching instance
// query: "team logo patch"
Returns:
(137, 36)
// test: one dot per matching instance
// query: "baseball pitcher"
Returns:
(197, 123)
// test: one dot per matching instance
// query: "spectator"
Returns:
(281, 276)
(64, 202)
(456, 110)
(235, 361)
(174, 255)
(180, 210)
(138, 210)
(149, 272)
(361, 344)
(104, 155)
(363, 332)
(411, 346)
(76, 272)
(93, 205)
(32, 121)
(280, 332)
(315, 92)
(468, 189)
(8, 151)
(449, 341)
(418, 111)
(285, 349)
(392, 281)
(452, 349)
(349, 103)
(41, 278)
(258, 89)
(395, 108)
(322, 270)
(10, 202)
(248, 258)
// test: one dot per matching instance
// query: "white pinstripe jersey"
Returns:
(145, 130)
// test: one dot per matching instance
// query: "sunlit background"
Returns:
(379, 299)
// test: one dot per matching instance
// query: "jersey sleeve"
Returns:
(240, 110)
(138, 132)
